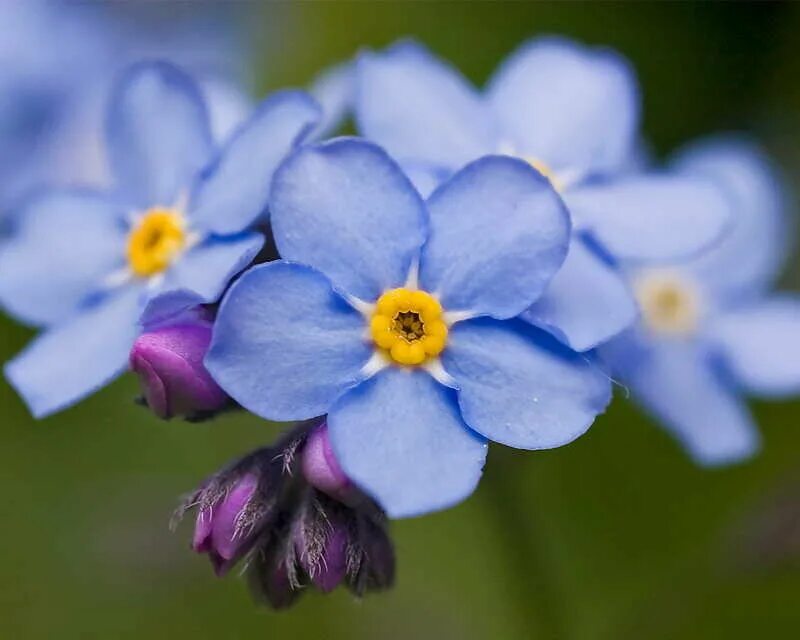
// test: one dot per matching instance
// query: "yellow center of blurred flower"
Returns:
(547, 172)
(155, 241)
(408, 325)
(669, 302)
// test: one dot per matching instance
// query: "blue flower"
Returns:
(82, 264)
(710, 329)
(573, 114)
(397, 318)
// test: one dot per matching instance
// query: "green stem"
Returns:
(539, 601)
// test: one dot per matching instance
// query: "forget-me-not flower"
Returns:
(571, 112)
(83, 263)
(710, 329)
(397, 318)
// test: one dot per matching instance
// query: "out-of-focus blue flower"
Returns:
(334, 91)
(58, 62)
(572, 113)
(397, 318)
(710, 329)
(83, 263)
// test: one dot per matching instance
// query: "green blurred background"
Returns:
(615, 536)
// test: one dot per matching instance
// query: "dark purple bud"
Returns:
(322, 553)
(169, 363)
(220, 529)
(322, 470)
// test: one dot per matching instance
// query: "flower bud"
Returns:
(322, 553)
(169, 363)
(322, 471)
(219, 530)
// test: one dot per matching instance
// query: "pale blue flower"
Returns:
(83, 263)
(397, 318)
(711, 329)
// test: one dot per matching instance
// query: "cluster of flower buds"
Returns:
(294, 520)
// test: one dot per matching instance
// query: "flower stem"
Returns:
(539, 601)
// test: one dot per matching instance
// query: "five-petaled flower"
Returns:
(83, 264)
(572, 113)
(397, 318)
(710, 330)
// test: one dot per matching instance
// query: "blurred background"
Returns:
(616, 536)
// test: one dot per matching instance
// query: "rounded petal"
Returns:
(749, 257)
(400, 438)
(651, 217)
(159, 136)
(587, 302)
(62, 247)
(520, 387)
(173, 307)
(235, 188)
(760, 345)
(286, 346)
(345, 208)
(208, 268)
(498, 235)
(676, 383)
(421, 109)
(228, 103)
(572, 107)
(72, 360)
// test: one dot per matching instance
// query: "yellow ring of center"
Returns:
(155, 241)
(408, 325)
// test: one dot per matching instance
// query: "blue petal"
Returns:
(419, 108)
(286, 346)
(586, 303)
(676, 383)
(235, 188)
(651, 217)
(63, 246)
(570, 106)
(760, 345)
(498, 235)
(72, 360)
(750, 256)
(426, 178)
(519, 387)
(169, 307)
(158, 135)
(208, 268)
(334, 89)
(229, 105)
(346, 208)
(399, 436)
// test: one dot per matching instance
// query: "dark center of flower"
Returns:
(409, 325)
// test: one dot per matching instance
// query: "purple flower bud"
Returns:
(322, 471)
(323, 555)
(218, 528)
(169, 363)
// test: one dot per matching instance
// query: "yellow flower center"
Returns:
(669, 303)
(547, 172)
(155, 241)
(409, 326)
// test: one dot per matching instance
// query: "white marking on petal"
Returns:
(154, 282)
(376, 363)
(412, 281)
(451, 317)
(118, 278)
(435, 368)
(366, 309)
